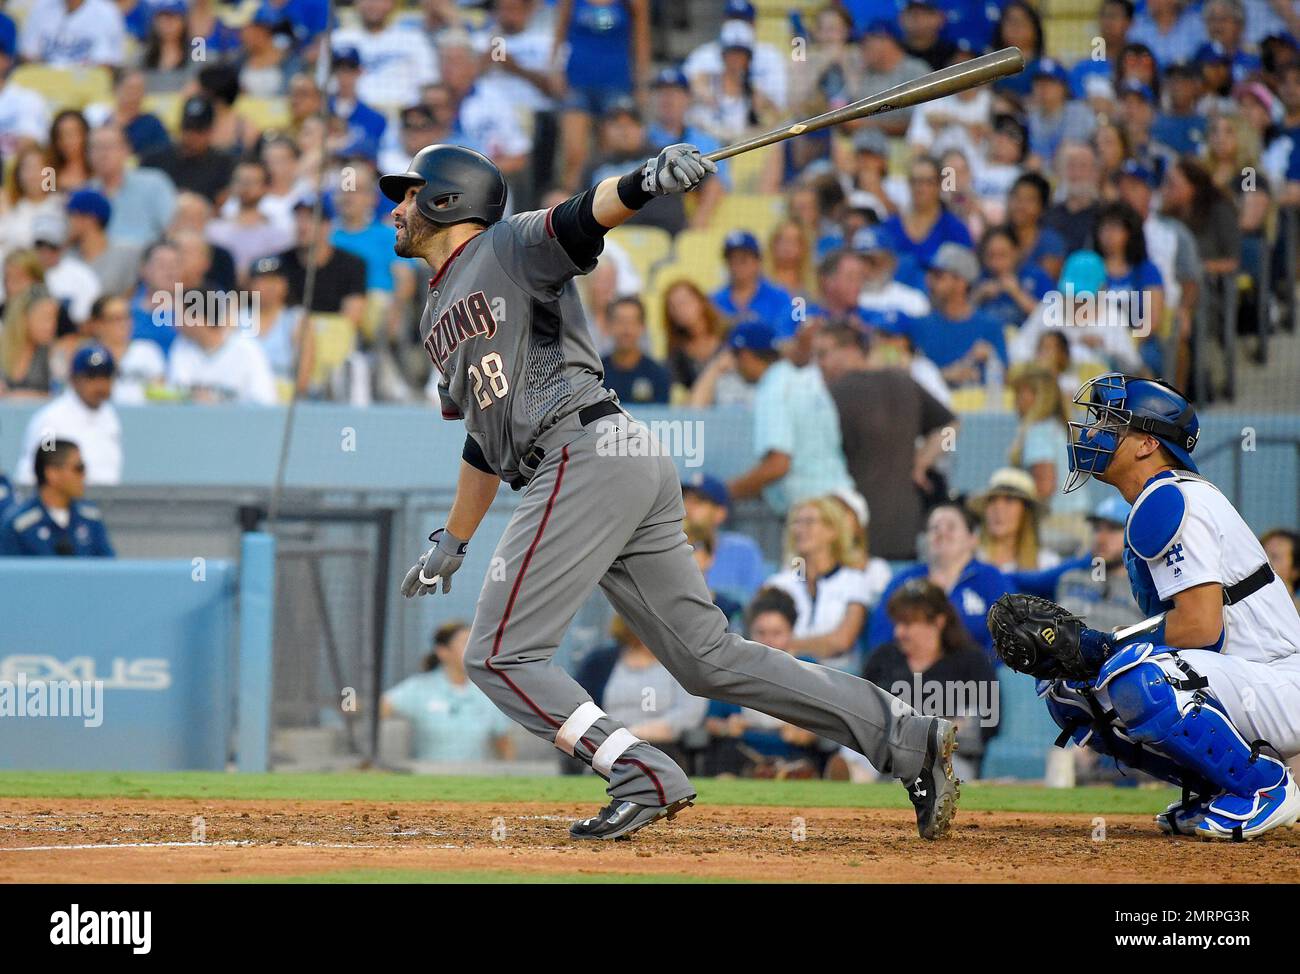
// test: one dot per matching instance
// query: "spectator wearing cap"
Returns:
(1052, 115)
(628, 370)
(263, 64)
(623, 146)
(917, 233)
(73, 33)
(1180, 126)
(884, 414)
(1168, 244)
(165, 54)
(82, 410)
(887, 64)
(748, 297)
(922, 23)
(1092, 78)
(729, 104)
(608, 60)
(115, 265)
(249, 234)
(302, 20)
(340, 276)
(768, 66)
(31, 317)
(1171, 29)
(141, 366)
(277, 323)
(24, 116)
(796, 428)
(211, 362)
(395, 62)
(1008, 289)
(1225, 25)
(1105, 597)
(670, 104)
(1078, 191)
(365, 127)
(483, 121)
(832, 596)
(67, 277)
(194, 163)
(141, 199)
(880, 291)
(738, 568)
(56, 520)
(1040, 246)
(963, 342)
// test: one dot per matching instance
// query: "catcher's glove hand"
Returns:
(677, 169)
(1038, 637)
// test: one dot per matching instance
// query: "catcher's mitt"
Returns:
(1038, 637)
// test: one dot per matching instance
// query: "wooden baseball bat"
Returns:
(936, 84)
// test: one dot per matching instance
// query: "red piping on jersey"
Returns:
(433, 281)
(550, 230)
(510, 605)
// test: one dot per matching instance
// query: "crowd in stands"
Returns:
(200, 221)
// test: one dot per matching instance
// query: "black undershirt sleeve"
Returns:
(473, 455)
(577, 230)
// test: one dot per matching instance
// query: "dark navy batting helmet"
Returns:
(1117, 403)
(456, 184)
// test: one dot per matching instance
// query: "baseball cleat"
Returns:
(620, 819)
(936, 789)
(1181, 818)
(1239, 819)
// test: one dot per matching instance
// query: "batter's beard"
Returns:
(413, 239)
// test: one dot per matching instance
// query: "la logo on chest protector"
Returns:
(464, 319)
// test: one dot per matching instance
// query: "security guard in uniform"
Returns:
(55, 521)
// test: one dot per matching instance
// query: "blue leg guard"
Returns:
(1194, 731)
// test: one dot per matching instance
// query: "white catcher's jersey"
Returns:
(1214, 544)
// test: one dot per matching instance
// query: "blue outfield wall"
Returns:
(155, 636)
(1252, 456)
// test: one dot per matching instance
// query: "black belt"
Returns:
(586, 416)
(1248, 586)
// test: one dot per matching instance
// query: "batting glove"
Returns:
(439, 562)
(677, 169)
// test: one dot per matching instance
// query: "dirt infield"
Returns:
(147, 840)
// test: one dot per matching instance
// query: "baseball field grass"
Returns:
(378, 827)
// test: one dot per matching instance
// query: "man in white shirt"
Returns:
(68, 278)
(484, 120)
(211, 363)
(395, 62)
(881, 293)
(83, 414)
(519, 49)
(24, 116)
(73, 33)
(769, 64)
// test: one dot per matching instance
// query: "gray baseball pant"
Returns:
(604, 507)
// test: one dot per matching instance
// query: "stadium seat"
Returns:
(335, 339)
(747, 169)
(708, 276)
(264, 113)
(645, 246)
(971, 399)
(167, 106)
(65, 87)
(757, 212)
(701, 247)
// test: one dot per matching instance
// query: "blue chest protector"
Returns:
(1144, 587)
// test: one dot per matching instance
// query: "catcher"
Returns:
(1200, 691)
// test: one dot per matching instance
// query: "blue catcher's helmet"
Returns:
(1116, 403)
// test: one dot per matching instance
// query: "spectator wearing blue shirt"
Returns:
(738, 568)
(961, 341)
(1225, 24)
(56, 521)
(748, 297)
(971, 585)
(358, 232)
(796, 425)
(669, 125)
(916, 234)
(1181, 127)
(1053, 117)
(365, 126)
(1008, 289)
(1093, 77)
(1133, 283)
(1172, 31)
(1020, 26)
(151, 305)
(635, 376)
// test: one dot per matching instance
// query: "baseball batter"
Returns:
(1206, 692)
(601, 504)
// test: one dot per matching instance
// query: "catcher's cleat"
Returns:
(619, 819)
(1239, 819)
(1181, 818)
(936, 789)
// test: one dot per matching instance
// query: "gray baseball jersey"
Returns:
(507, 333)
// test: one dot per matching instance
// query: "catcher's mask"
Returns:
(1114, 404)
